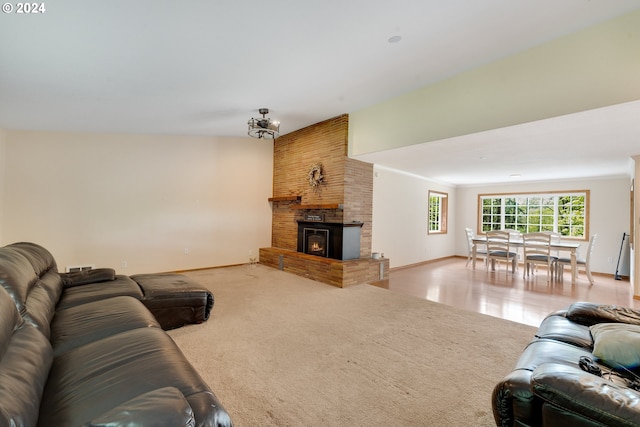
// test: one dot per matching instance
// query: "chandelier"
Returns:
(263, 128)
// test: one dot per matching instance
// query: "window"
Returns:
(437, 212)
(564, 213)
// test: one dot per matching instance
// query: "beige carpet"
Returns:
(281, 350)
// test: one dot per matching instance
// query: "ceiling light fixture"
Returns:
(263, 128)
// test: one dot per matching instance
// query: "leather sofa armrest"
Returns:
(163, 407)
(585, 395)
(85, 277)
(513, 400)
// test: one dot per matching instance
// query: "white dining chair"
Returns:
(555, 238)
(537, 251)
(470, 246)
(500, 248)
(516, 241)
(582, 263)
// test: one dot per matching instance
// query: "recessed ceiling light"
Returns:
(395, 39)
(515, 175)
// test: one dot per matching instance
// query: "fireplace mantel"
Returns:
(285, 199)
(297, 200)
(338, 206)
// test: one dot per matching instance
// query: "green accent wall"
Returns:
(596, 67)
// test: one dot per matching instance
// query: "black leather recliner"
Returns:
(559, 380)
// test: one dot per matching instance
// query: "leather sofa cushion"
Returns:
(559, 384)
(29, 275)
(23, 373)
(165, 407)
(41, 303)
(25, 359)
(85, 323)
(560, 328)
(120, 286)
(550, 351)
(88, 381)
(40, 258)
(17, 277)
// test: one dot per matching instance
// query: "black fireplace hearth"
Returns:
(330, 239)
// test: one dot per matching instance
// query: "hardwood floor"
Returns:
(503, 294)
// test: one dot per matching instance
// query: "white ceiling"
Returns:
(595, 143)
(204, 67)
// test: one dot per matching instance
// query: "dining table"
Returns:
(565, 246)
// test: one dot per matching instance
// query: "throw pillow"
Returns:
(87, 276)
(617, 345)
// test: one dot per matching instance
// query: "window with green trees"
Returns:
(438, 208)
(564, 213)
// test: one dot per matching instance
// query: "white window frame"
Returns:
(525, 212)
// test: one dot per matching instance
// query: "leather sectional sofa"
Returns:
(581, 369)
(75, 352)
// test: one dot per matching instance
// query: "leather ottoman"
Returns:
(174, 299)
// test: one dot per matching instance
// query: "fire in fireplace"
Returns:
(316, 241)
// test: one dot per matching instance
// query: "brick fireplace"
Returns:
(343, 199)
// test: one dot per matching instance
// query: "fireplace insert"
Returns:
(330, 239)
(315, 241)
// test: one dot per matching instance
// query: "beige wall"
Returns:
(593, 68)
(400, 205)
(137, 200)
